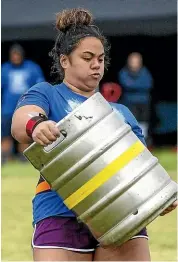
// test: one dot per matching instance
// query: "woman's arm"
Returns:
(19, 121)
(35, 101)
(44, 133)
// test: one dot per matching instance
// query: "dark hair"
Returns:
(17, 49)
(73, 25)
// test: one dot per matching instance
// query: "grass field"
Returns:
(18, 186)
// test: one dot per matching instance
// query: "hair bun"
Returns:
(69, 17)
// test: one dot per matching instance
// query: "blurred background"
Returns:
(142, 75)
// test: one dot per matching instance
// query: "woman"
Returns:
(80, 55)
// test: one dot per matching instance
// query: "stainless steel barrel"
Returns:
(104, 173)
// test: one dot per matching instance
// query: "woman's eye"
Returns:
(101, 60)
(87, 58)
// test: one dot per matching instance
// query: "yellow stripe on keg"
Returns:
(104, 175)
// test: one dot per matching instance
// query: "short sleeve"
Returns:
(131, 120)
(38, 95)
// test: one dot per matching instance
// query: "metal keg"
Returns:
(104, 173)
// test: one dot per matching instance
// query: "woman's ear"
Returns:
(64, 61)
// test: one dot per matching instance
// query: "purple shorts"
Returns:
(67, 233)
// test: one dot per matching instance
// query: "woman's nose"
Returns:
(95, 64)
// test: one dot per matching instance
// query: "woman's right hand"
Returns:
(45, 133)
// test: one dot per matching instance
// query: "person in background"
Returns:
(137, 82)
(17, 76)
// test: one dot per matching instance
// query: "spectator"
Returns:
(136, 82)
(17, 76)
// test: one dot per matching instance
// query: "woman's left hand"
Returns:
(170, 208)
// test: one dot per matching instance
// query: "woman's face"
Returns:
(134, 62)
(84, 68)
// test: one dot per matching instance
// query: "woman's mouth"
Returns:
(96, 75)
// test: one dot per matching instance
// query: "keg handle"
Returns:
(59, 140)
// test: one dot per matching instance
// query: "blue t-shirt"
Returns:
(15, 81)
(58, 101)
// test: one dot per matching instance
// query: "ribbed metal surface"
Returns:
(104, 173)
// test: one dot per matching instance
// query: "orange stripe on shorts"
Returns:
(43, 186)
